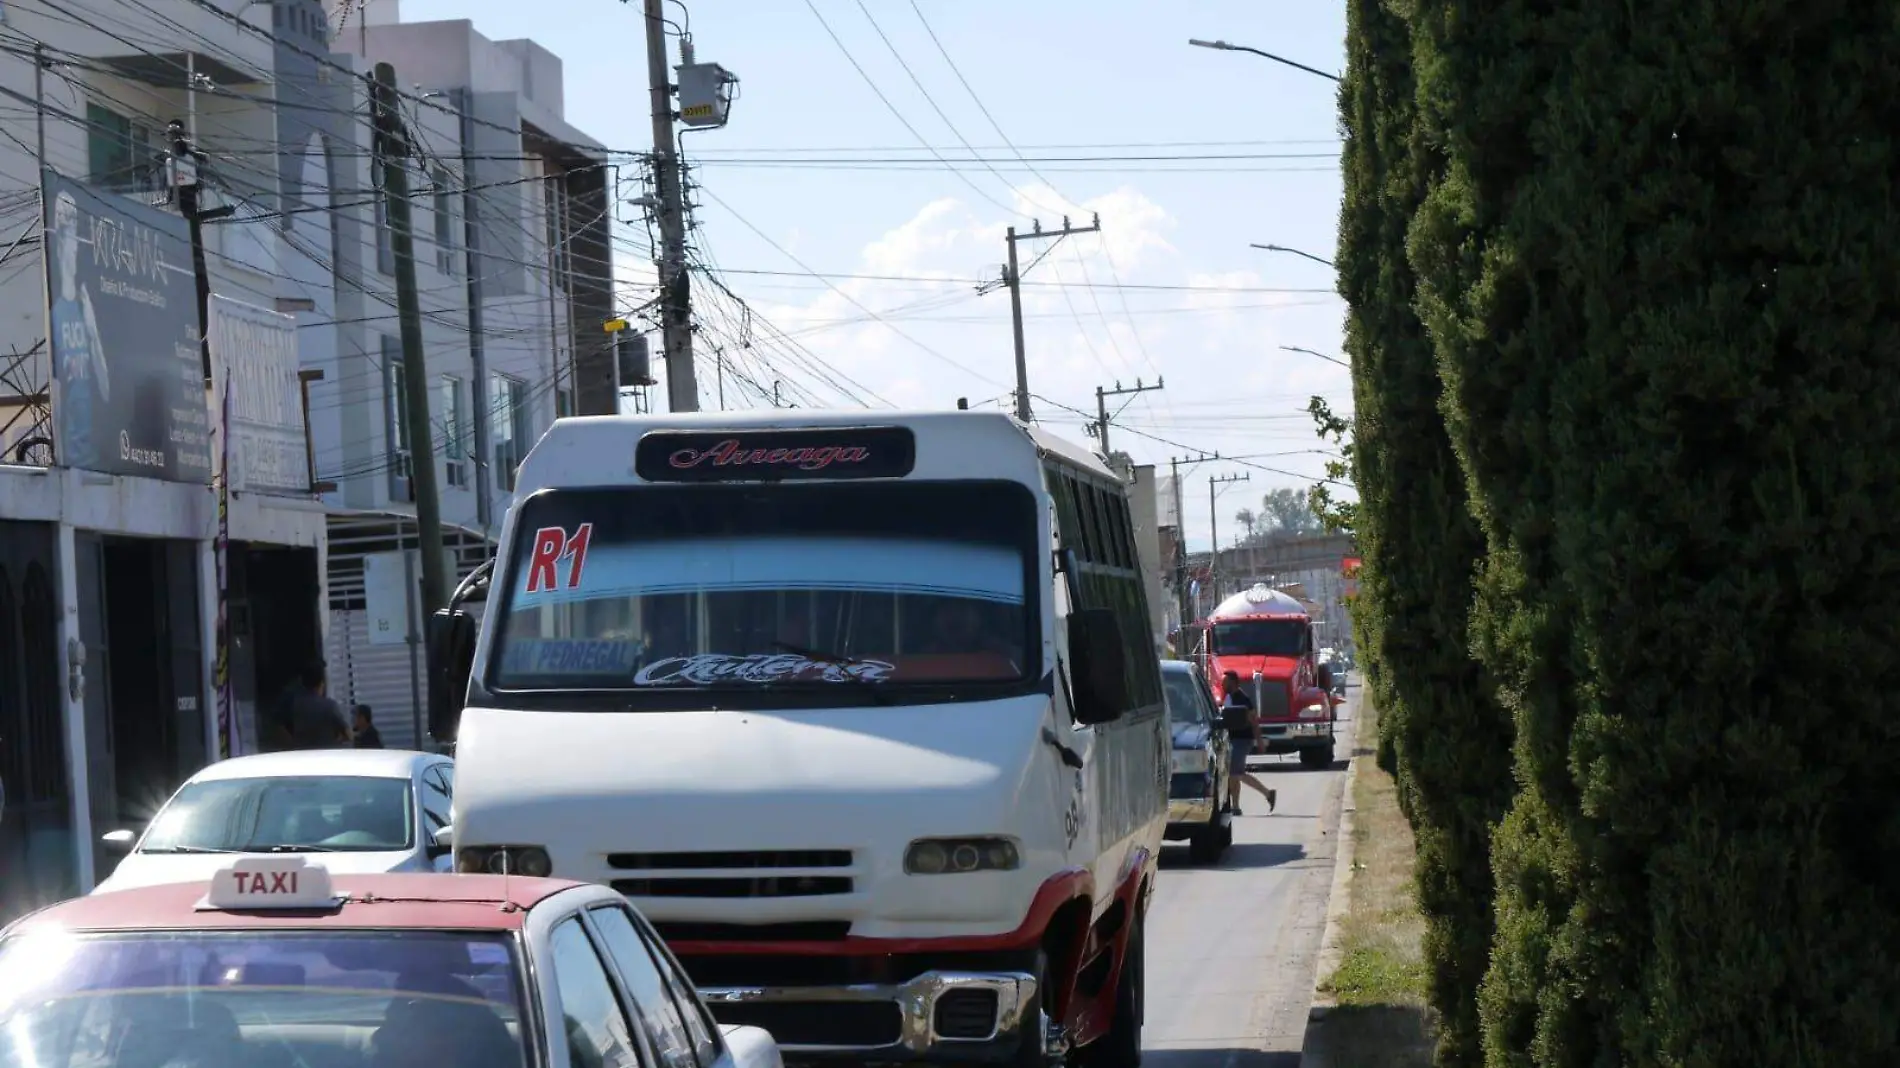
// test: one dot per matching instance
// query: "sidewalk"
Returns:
(1369, 993)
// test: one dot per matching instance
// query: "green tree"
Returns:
(1658, 271)
(1284, 513)
(1441, 730)
(1335, 514)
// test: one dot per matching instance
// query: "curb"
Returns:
(1339, 900)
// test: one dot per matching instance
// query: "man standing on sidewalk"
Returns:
(311, 718)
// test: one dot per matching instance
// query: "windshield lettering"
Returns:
(553, 545)
(914, 586)
(729, 453)
(713, 669)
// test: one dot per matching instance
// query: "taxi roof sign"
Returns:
(263, 883)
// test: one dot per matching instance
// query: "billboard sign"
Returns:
(128, 381)
(254, 355)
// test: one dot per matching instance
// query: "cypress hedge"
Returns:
(1660, 272)
(1441, 731)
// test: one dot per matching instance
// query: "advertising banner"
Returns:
(254, 358)
(129, 393)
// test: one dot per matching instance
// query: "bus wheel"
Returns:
(1121, 1046)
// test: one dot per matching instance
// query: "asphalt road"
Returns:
(1231, 947)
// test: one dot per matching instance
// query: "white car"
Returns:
(363, 810)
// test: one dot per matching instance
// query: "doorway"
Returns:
(276, 631)
(144, 696)
(37, 862)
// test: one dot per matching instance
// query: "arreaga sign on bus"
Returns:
(775, 455)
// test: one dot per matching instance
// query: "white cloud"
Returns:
(1215, 334)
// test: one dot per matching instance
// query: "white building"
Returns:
(514, 271)
(109, 574)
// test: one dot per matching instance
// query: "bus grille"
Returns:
(733, 874)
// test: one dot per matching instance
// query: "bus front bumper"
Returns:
(939, 1016)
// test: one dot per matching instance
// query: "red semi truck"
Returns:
(1266, 637)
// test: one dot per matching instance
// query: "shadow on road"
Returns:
(1370, 1036)
(1217, 1058)
(1240, 856)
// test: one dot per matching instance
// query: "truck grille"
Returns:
(1276, 699)
(733, 874)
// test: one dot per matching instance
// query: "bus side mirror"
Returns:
(1098, 665)
(451, 661)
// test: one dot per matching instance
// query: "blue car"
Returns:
(1197, 788)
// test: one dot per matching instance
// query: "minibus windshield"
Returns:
(884, 586)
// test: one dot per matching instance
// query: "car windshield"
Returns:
(395, 999)
(1259, 637)
(1186, 704)
(776, 592)
(286, 814)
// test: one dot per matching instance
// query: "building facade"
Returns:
(174, 488)
(514, 272)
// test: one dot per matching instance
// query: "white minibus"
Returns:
(860, 709)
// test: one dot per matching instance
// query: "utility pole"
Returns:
(1213, 527)
(1012, 277)
(392, 149)
(676, 298)
(1101, 406)
(183, 173)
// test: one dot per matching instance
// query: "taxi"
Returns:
(275, 963)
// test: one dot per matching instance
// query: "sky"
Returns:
(845, 205)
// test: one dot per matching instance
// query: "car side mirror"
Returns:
(451, 662)
(120, 841)
(442, 842)
(1098, 665)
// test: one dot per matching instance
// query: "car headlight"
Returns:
(531, 861)
(1190, 761)
(949, 856)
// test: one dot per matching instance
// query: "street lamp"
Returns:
(1226, 47)
(1294, 251)
(1321, 355)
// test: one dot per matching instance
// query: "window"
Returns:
(509, 426)
(699, 1022)
(597, 1031)
(653, 997)
(285, 814)
(1093, 521)
(223, 998)
(447, 255)
(435, 800)
(554, 199)
(401, 445)
(455, 430)
(385, 248)
(774, 596)
(563, 402)
(120, 153)
(1187, 698)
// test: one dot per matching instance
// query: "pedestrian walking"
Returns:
(367, 736)
(1242, 722)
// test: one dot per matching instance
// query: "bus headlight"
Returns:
(530, 861)
(1313, 712)
(1190, 761)
(949, 856)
